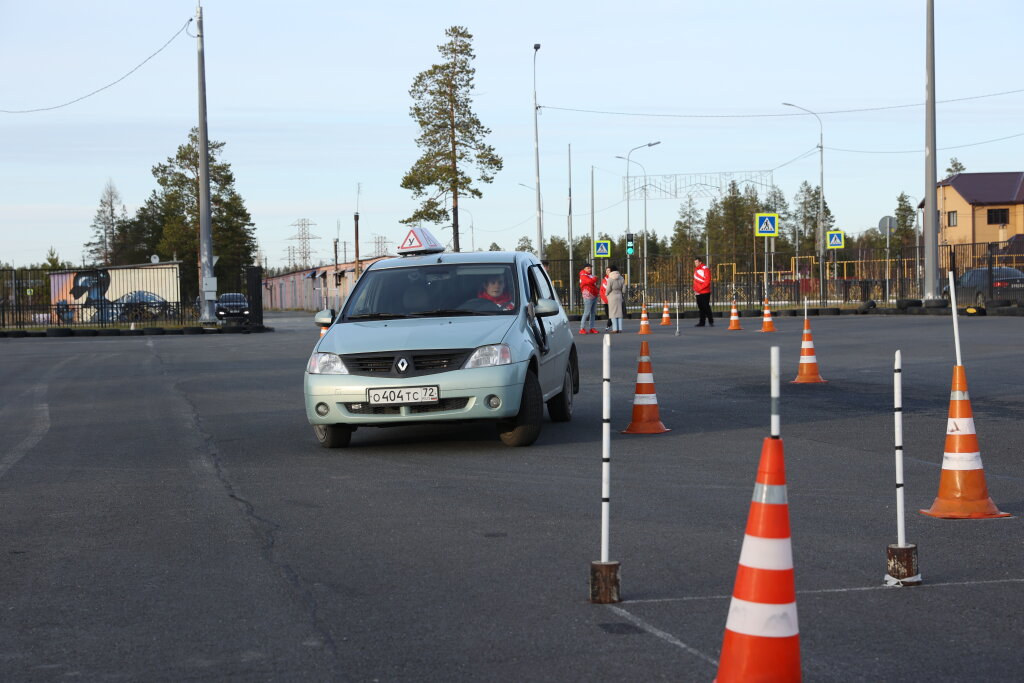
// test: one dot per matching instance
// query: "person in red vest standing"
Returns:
(602, 292)
(702, 288)
(588, 288)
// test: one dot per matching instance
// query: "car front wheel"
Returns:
(333, 436)
(560, 406)
(524, 428)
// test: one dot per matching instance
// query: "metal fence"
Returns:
(116, 296)
(853, 276)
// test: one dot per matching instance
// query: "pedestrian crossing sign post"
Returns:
(602, 248)
(836, 239)
(766, 224)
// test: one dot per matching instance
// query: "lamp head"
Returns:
(652, 144)
(536, 46)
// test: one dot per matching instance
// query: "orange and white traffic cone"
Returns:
(734, 318)
(666, 318)
(808, 371)
(762, 637)
(323, 331)
(963, 493)
(645, 323)
(766, 322)
(645, 402)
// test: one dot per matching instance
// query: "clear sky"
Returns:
(311, 99)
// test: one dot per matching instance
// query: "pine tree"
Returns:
(904, 234)
(955, 167)
(451, 136)
(105, 225)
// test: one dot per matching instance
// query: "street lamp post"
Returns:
(472, 239)
(629, 192)
(820, 239)
(536, 157)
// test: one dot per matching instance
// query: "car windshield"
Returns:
(434, 291)
(232, 298)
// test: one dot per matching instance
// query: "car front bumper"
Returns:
(463, 395)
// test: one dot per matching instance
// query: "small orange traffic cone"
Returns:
(766, 323)
(666, 319)
(762, 637)
(808, 371)
(734, 317)
(963, 493)
(645, 402)
(645, 323)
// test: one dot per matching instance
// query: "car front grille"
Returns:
(420, 362)
(457, 403)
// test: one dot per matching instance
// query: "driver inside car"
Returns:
(493, 290)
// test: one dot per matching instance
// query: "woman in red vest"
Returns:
(702, 288)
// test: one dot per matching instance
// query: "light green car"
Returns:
(444, 337)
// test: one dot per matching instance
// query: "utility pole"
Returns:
(931, 214)
(207, 282)
(357, 244)
(572, 271)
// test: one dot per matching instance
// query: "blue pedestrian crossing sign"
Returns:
(602, 248)
(836, 239)
(766, 224)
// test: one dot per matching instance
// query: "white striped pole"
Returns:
(604, 575)
(956, 323)
(897, 392)
(901, 559)
(677, 313)
(776, 427)
(606, 446)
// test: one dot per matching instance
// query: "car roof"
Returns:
(458, 258)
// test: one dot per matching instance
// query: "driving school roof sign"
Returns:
(766, 224)
(419, 241)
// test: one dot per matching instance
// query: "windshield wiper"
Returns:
(442, 311)
(376, 316)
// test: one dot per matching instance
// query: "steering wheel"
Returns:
(479, 304)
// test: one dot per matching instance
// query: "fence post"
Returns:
(990, 258)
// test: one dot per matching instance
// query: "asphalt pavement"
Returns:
(166, 514)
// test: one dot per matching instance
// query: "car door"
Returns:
(554, 328)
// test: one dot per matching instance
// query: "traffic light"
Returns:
(629, 244)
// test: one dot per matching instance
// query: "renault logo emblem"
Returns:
(402, 365)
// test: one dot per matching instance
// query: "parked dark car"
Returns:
(972, 286)
(232, 306)
(141, 306)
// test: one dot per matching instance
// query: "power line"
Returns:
(79, 99)
(921, 151)
(780, 114)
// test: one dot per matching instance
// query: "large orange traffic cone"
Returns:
(645, 402)
(645, 323)
(808, 371)
(734, 317)
(666, 319)
(766, 322)
(963, 493)
(762, 638)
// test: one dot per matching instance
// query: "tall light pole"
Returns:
(820, 238)
(472, 239)
(931, 213)
(536, 158)
(630, 161)
(629, 193)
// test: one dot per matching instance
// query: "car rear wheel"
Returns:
(560, 406)
(524, 428)
(333, 436)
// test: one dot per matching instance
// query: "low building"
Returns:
(981, 207)
(312, 289)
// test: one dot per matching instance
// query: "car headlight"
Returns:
(245, 311)
(326, 364)
(489, 356)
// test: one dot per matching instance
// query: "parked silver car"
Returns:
(444, 337)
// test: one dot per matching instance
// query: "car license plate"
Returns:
(400, 395)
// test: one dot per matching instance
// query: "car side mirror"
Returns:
(546, 307)
(324, 318)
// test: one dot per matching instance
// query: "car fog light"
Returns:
(322, 409)
(493, 402)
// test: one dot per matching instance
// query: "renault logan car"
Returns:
(444, 337)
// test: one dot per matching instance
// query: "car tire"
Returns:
(560, 406)
(333, 436)
(524, 428)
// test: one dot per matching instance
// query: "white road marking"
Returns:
(667, 637)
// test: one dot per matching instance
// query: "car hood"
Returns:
(416, 333)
